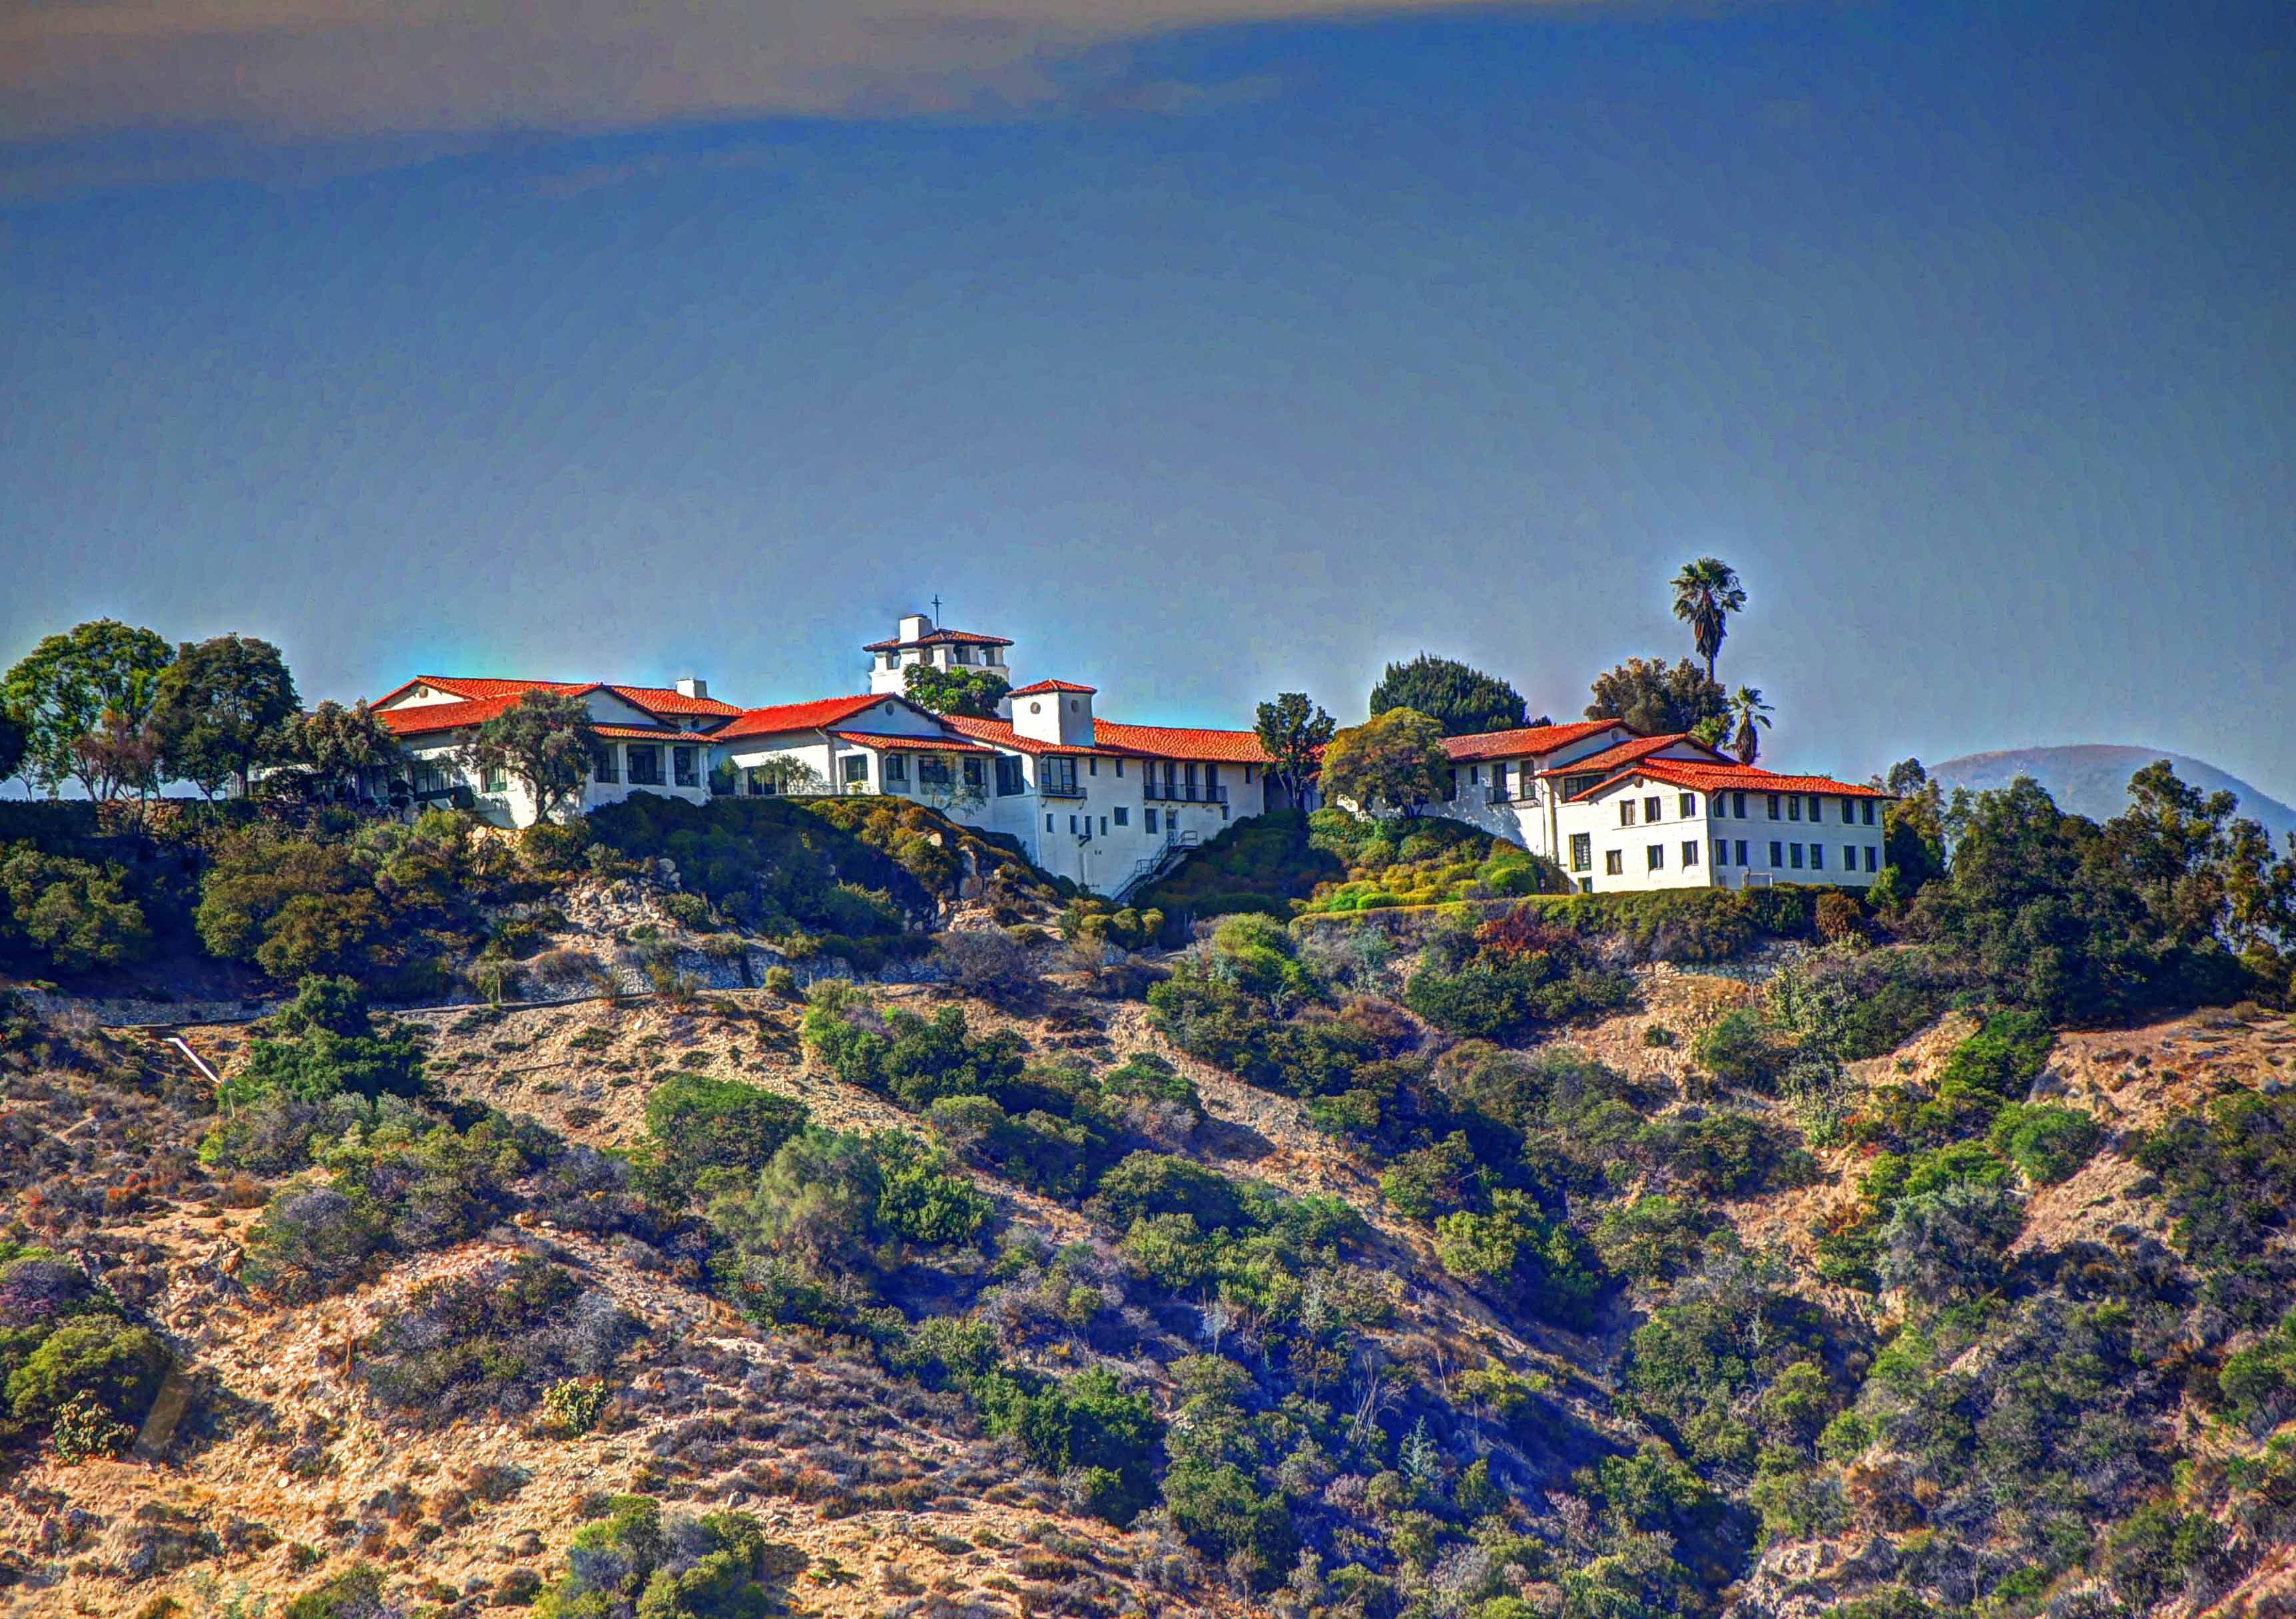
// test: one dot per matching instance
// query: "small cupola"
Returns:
(1056, 711)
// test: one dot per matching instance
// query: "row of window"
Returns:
(1784, 855)
(1788, 806)
(1654, 806)
(645, 765)
(1782, 807)
(1080, 826)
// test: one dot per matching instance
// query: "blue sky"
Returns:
(1239, 354)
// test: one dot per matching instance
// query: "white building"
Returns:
(654, 739)
(1103, 803)
(1669, 812)
(1619, 810)
(919, 641)
(1109, 804)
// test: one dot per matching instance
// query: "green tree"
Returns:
(224, 707)
(15, 744)
(77, 912)
(1747, 712)
(118, 754)
(1394, 760)
(61, 689)
(545, 740)
(1656, 699)
(1462, 699)
(972, 692)
(1706, 593)
(333, 744)
(697, 1123)
(1293, 733)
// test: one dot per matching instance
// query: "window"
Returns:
(1152, 822)
(1774, 806)
(1072, 826)
(1123, 815)
(1871, 855)
(1048, 824)
(1626, 812)
(1614, 863)
(1869, 812)
(1119, 770)
(1741, 852)
(933, 769)
(1689, 852)
(1474, 775)
(1721, 851)
(895, 773)
(1247, 772)
(1793, 853)
(682, 768)
(1586, 884)
(1818, 857)
(610, 764)
(1794, 806)
(1738, 806)
(1777, 853)
(1582, 851)
(1850, 812)
(857, 769)
(1654, 857)
(1057, 778)
(645, 765)
(975, 776)
(497, 780)
(1572, 786)
(1688, 803)
(1650, 809)
(1009, 780)
(1103, 826)
(1092, 767)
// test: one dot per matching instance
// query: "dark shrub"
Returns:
(492, 1341)
(696, 1123)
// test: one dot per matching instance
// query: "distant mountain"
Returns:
(2093, 780)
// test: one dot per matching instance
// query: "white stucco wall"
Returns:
(1831, 851)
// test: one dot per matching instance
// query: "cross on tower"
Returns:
(936, 608)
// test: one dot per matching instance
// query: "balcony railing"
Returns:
(1182, 792)
(1499, 795)
(1060, 789)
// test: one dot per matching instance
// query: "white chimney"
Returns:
(915, 626)
(692, 685)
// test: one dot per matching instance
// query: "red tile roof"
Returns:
(1111, 739)
(652, 699)
(1000, 733)
(1053, 685)
(424, 718)
(799, 716)
(1627, 753)
(1181, 743)
(887, 741)
(650, 733)
(1527, 741)
(1700, 776)
(670, 700)
(939, 638)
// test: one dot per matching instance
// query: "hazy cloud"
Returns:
(304, 70)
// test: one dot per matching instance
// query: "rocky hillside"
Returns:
(1447, 1251)
(299, 1460)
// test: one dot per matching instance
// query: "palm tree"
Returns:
(1748, 710)
(1706, 593)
